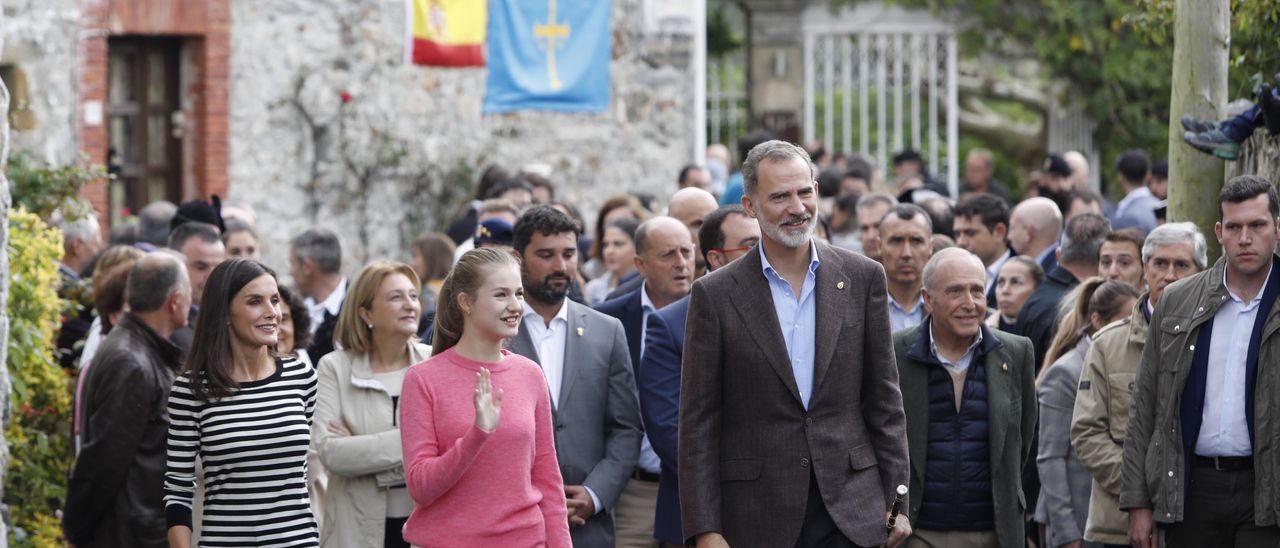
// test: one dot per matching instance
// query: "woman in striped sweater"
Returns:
(246, 414)
(477, 480)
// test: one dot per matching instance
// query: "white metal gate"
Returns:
(879, 79)
(726, 101)
(1070, 129)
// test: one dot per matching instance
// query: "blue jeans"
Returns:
(1240, 127)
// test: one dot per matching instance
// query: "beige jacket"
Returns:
(1102, 410)
(363, 466)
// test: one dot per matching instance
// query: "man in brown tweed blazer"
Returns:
(792, 430)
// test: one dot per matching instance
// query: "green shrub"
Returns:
(43, 189)
(39, 432)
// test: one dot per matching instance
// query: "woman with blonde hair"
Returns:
(357, 428)
(1065, 483)
(1016, 280)
(476, 479)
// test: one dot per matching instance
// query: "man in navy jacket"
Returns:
(726, 234)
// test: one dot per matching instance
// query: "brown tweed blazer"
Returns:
(746, 441)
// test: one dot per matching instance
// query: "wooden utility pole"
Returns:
(1201, 38)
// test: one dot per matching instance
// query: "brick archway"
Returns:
(204, 31)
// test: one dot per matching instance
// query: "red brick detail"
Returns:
(93, 87)
(168, 17)
(214, 108)
(206, 27)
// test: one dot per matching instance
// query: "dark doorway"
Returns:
(143, 113)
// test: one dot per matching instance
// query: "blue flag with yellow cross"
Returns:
(548, 55)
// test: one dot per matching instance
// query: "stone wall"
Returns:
(329, 126)
(5, 379)
(40, 41)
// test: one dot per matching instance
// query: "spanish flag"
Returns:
(448, 33)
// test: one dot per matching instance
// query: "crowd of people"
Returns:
(760, 359)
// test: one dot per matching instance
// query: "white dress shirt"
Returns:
(331, 304)
(993, 271)
(1224, 430)
(550, 341)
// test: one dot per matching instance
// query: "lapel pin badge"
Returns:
(839, 285)
(1004, 366)
(579, 331)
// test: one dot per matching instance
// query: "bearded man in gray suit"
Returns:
(585, 358)
(792, 430)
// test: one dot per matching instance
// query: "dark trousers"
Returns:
(394, 538)
(1219, 513)
(1240, 127)
(819, 530)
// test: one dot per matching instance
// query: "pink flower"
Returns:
(346, 96)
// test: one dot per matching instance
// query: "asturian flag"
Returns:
(447, 33)
(548, 55)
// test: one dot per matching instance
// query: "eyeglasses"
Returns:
(732, 249)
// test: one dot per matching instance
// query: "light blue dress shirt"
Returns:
(1045, 254)
(649, 461)
(1224, 430)
(901, 318)
(798, 318)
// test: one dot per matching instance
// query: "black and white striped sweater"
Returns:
(253, 448)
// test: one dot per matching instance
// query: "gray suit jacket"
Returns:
(748, 445)
(597, 423)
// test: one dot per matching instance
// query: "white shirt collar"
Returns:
(562, 314)
(1256, 298)
(994, 270)
(333, 303)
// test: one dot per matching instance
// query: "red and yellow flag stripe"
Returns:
(448, 33)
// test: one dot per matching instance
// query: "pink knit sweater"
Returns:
(476, 489)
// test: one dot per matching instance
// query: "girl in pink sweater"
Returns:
(476, 480)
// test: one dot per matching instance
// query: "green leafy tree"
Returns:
(1255, 40)
(1116, 55)
(1120, 77)
(721, 38)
